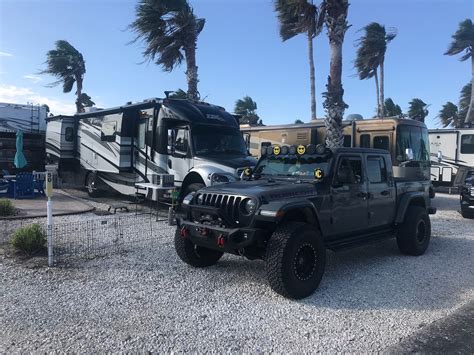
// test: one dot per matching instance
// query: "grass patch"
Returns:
(6, 208)
(29, 239)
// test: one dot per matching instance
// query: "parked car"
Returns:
(467, 195)
(298, 202)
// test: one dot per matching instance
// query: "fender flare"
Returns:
(276, 211)
(405, 201)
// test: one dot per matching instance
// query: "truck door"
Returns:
(349, 196)
(381, 192)
(179, 153)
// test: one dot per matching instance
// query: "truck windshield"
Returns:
(292, 166)
(209, 141)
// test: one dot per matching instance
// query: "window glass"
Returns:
(350, 170)
(467, 144)
(181, 142)
(376, 169)
(365, 141)
(381, 142)
(141, 135)
(347, 140)
(415, 138)
(69, 134)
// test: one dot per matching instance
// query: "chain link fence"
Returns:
(98, 236)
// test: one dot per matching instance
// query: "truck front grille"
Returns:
(229, 205)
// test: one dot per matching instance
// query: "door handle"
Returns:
(170, 165)
(385, 193)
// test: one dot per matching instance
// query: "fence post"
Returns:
(49, 208)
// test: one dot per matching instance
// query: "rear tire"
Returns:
(295, 260)
(467, 213)
(413, 235)
(193, 254)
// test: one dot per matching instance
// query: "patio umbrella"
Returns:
(20, 160)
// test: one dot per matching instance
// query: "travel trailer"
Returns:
(407, 140)
(196, 142)
(450, 150)
(31, 120)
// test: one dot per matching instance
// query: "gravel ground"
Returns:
(370, 298)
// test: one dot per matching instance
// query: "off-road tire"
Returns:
(91, 185)
(194, 255)
(282, 260)
(413, 235)
(467, 213)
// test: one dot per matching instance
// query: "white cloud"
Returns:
(5, 54)
(14, 94)
(35, 79)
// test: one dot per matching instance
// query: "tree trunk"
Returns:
(336, 23)
(378, 93)
(470, 110)
(191, 71)
(311, 77)
(382, 97)
(79, 107)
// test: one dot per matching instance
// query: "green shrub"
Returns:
(6, 208)
(29, 239)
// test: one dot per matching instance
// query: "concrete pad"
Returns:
(63, 204)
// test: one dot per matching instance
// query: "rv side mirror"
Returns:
(409, 154)
(440, 156)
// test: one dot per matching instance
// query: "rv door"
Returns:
(179, 153)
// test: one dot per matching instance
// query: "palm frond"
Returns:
(463, 40)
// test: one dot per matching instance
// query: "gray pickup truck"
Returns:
(296, 203)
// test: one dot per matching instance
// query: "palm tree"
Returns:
(417, 110)
(178, 94)
(464, 102)
(463, 41)
(371, 56)
(246, 108)
(67, 64)
(391, 109)
(296, 17)
(170, 30)
(335, 15)
(448, 115)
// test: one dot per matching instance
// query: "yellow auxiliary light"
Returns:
(318, 174)
(276, 150)
(301, 149)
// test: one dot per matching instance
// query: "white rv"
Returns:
(136, 143)
(450, 149)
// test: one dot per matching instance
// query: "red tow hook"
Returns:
(184, 232)
(220, 240)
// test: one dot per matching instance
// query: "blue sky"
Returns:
(239, 53)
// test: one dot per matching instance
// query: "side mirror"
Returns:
(440, 156)
(409, 154)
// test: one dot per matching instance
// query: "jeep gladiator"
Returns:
(298, 202)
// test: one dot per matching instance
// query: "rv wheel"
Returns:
(91, 185)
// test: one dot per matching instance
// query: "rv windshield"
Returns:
(208, 141)
(413, 137)
(292, 166)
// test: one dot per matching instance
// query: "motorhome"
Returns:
(196, 142)
(450, 150)
(407, 140)
(30, 119)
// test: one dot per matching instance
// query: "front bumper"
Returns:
(229, 240)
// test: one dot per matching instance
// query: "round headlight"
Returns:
(199, 199)
(250, 206)
(188, 198)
